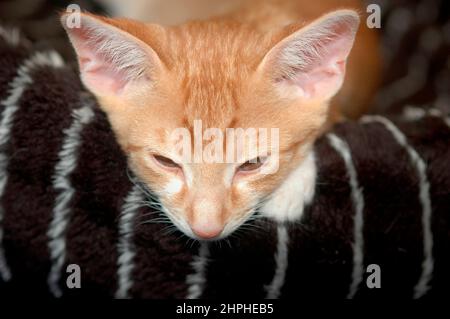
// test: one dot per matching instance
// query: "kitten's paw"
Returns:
(288, 201)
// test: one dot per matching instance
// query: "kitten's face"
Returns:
(205, 199)
(154, 83)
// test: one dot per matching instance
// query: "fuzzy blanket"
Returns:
(66, 197)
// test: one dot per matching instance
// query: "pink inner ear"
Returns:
(314, 60)
(108, 60)
(99, 73)
(325, 73)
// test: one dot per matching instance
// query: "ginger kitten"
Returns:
(267, 65)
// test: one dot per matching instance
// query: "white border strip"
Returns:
(125, 248)
(422, 285)
(197, 280)
(358, 204)
(10, 105)
(281, 259)
(62, 185)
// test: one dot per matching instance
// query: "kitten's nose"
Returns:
(207, 230)
(207, 220)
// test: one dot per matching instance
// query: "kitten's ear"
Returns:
(311, 62)
(110, 59)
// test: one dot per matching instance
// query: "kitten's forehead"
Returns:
(212, 65)
(212, 101)
(217, 44)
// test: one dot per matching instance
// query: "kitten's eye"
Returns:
(252, 165)
(166, 162)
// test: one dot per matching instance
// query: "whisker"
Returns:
(148, 214)
(183, 235)
(170, 230)
(154, 222)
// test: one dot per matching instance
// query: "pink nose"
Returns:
(207, 231)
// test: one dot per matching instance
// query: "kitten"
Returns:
(261, 66)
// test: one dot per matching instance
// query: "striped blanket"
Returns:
(67, 198)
